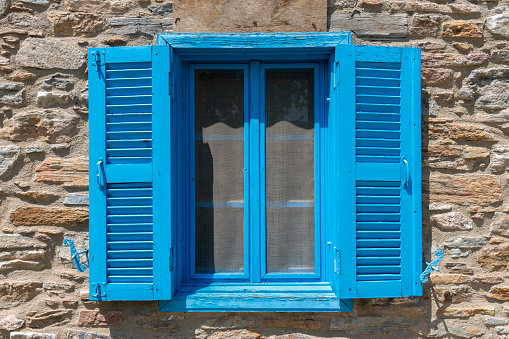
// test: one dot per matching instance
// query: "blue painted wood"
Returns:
(121, 232)
(380, 86)
(258, 41)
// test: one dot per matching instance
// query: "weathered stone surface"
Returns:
(11, 323)
(74, 334)
(462, 29)
(40, 216)
(425, 25)
(440, 131)
(158, 322)
(453, 59)
(116, 42)
(16, 241)
(473, 152)
(455, 328)
(500, 224)
(12, 94)
(466, 242)
(35, 196)
(301, 324)
(463, 189)
(73, 24)
(453, 221)
(439, 207)
(73, 276)
(22, 20)
(443, 278)
(495, 321)
(4, 5)
(131, 25)
(32, 335)
(9, 156)
(48, 99)
(54, 126)
(20, 76)
(70, 303)
(499, 293)
(465, 8)
(454, 294)
(499, 23)
(487, 279)
(70, 172)
(12, 291)
(97, 6)
(235, 334)
(419, 6)
(451, 312)
(437, 77)
(54, 286)
(58, 81)
(49, 53)
(500, 56)
(374, 325)
(228, 322)
(45, 318)
(22, 259)
(459, 268)
(100, 318)
(36, 2)
(371, 25)
(76, 199)
(162, 9)
(495, 258)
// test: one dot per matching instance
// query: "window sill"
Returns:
(256, 298)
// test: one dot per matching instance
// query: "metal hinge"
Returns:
(337, 261)
(172, 257)
(97, 59)
(100, 290)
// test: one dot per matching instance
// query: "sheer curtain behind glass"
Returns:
(290, 178)
(219, 161)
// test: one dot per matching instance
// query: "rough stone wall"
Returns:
(43, 173)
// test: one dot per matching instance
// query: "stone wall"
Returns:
(43, 170)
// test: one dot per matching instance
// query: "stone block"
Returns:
(76, 199)
(438, 60)
(453, 221)
(53, 126)
(466, 242)
(495, 321)
(74, 334)
(161, 9)
(425, 25)
(465, 8)
(38, 319)
(300, 324)
(13, 291)
(452, 312)
(100, 318)
(495, 258)
(455, 328)
(36, 2)
(500, 224)
(4, 6)
(49, 53)
(133, 25)
(499, 56)
(487, 279)
(235, 334)
(463, 189)
(459, 268)
(76, 24)
(439, 77)
(97, 6)
(11, 323)
(419, 6)
(58, 81)
(9, 156)
(462, 29)
(38, 197)
(24, 20)
(371, 25)
(499, 23)
(20, 76)
(48, 99)
(453, 294)
(12, 94)
(41, 216)
(157, 322)
(32, 335)
(444, 278)
(499, 293)
(70, 172)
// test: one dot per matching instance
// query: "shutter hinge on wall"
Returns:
(172, 257)
(337, 261)
(98, 58)
(100, 290)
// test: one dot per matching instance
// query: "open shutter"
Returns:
(130, 233)
(378, 177)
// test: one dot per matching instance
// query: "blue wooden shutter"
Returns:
(378, 177)
(130, 221)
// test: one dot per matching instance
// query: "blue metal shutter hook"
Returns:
(75, 255)
(432, 266)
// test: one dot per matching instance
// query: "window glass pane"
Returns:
(219, 164)
(290, 178)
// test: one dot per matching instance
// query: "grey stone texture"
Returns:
(76, 199)
(49, 53)
(12, 94)
(9, 155)
(131, 25)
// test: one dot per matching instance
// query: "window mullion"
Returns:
(255, 178)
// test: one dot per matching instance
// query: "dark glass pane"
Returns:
(290, 176)
(219, 161)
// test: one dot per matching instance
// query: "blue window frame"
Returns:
(365, 167)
